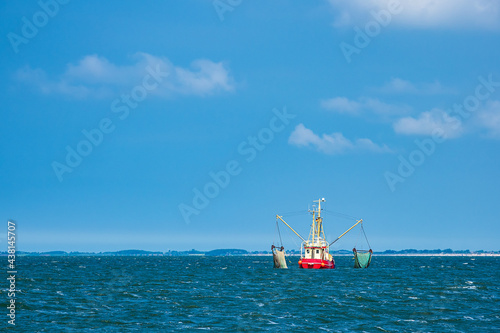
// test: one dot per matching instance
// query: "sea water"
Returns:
(120, 294)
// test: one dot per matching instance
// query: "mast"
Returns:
(317, 224)
(313, 227)
(319, 219)
(317, 231)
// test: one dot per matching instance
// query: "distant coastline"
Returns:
(241, 252)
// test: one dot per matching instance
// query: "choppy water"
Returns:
(117, 294)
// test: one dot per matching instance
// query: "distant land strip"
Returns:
(240, 252)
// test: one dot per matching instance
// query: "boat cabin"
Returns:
(314, 253)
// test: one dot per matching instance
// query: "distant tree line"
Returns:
(231, 252)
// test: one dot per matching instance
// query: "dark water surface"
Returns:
(119, 294)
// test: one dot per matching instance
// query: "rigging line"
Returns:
(364, 233)
(294, 213)
(334, 214)
(343, 215)
(293, 240)
(331, 211)
(359, 235)
(274, 239)
(279, 233)
(288, 233)
(340, 214)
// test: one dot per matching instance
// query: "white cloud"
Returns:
(397, 85)
(364, 104)
(489, 118)
(38, 78)
(341, 105)
(208, 77)
(400, 86)
(95, 76)
(332, 144)
(428, 122)
(483, 14)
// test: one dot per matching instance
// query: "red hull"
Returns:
(316, 264)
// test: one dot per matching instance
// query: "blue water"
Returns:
(119, 294)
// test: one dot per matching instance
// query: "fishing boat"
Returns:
(315, 251)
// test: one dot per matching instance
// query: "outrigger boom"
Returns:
(279, 217)
(359, 221)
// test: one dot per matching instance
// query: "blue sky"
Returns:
(117, 115)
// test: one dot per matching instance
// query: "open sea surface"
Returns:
(169, 294)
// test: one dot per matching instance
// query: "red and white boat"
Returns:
(315, 251)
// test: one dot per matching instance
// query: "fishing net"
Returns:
(279, 258)
(362, 258)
